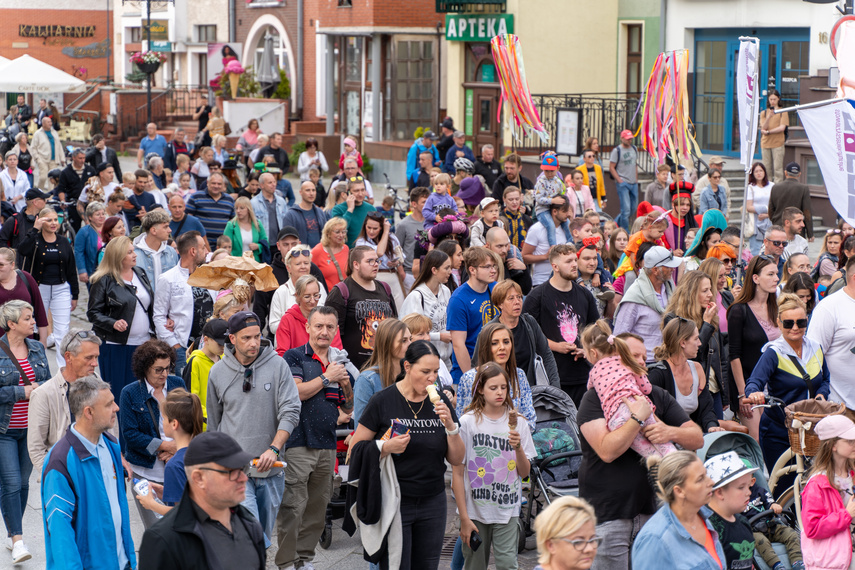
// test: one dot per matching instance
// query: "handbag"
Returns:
(199, 139)
(227, 130)
(749, 228)
(540, 375)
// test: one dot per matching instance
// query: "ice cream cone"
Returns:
(512, 419)
(234, 78)
(433, 394)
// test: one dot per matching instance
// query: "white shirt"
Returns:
(139, 332)
(797, 245)
(832, 325)
(173, 298)
(284, 298)
(15, 191)
(421, 300)
(536, 236)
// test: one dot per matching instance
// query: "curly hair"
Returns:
(684, 302)
(147, 353)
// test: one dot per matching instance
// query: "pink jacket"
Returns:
(587, 200)
(826, 542)
(613, 382)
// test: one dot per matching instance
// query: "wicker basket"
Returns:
(802, 418)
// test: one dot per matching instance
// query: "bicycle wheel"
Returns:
(787, 500)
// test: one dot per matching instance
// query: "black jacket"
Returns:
(791, 192)
(71, 183)
(489, 170)
(660, 375)
(110, 301)
(279, 156)
(502, 182)
(263, 299)
(442, 145)
(14, 230)
(176, 542)
(94, 158)
(32, 251)
(712, 356)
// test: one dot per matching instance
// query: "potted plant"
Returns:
(147, 61)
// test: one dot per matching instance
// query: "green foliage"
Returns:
(419, 132)
(297, 149)
(247, 85)
(136, 76)
(367, 167)
(283, 90)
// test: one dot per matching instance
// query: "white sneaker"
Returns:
(20, 552)
(50, 342)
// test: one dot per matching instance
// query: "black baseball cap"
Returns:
(35, 193)
(429, 135)
(242, 320)
(793, 168)
(447, 123)
(216, 447)
(217, 329)
(287, 231)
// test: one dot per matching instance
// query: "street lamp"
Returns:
(148, 4)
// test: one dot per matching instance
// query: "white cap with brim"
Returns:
(835, 426)
(658, 256)
(726, 468)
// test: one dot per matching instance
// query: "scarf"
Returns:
(516, 227)
(627, 260)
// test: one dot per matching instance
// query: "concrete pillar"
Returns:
(330, 85)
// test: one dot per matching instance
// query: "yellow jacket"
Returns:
(601, 183)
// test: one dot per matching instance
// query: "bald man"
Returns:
(269, 207)
(151, 143)
(497, 240)
(307, 218)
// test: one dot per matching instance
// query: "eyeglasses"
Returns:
(234, 474)
(160, 370)
(375, 261)
(355, 179)
(247, 380)
(581, 545)
(777, 243)
(488, 267)
(315, 296)
(794, 323)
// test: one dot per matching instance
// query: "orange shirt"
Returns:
(324, 262)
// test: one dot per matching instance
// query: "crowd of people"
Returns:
(423, 337)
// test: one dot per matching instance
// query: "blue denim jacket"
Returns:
(142, 437)
(665, 543)
(10, 392)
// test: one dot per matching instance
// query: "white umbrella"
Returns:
(27, 74)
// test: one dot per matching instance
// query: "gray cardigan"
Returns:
(538, 345)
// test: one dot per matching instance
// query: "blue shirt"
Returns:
(108, 473)
(468, 311)
(156, 145)
(191, 223)
(174, 478)
(144, 200)
(213, 214)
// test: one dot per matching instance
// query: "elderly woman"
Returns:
(331, 254)
(14, 182)
(529, 341)
(679, 535)
(291, 331)
(311, 157)
(18, 379)
(299, 263)
(120, 310)
(566, 535)
(25, 159)
(221, 155)
(88, 241)
(785, 365)
(50, 260)
(147, 448)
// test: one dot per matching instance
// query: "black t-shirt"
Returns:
(51, 273)
(563, 315)
(421, 467)
(522, 350)
(592, 179)
(25, 159)
(737, 541)
(359, 318)
(203, 118)
(620, 490)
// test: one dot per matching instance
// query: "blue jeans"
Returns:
(263, 497)
(628, 194)
(15, 469)
(423, 526)
(457, 559)
(180, 360)
(546, 219)
(718, 408)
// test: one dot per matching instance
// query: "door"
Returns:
(486, 126)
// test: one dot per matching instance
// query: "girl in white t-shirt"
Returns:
(487, 487)
(757, 204)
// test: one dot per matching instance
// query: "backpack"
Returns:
(187, 373)
(618, 147)
(345, 292)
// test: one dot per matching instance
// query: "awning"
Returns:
(27, 74)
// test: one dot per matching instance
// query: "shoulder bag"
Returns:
(8, 350)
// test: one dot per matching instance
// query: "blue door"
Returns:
(784, 55)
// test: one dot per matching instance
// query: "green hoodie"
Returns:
(200, 364)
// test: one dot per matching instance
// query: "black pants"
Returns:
(423, 526)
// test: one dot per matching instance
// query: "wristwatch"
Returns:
(325, 381)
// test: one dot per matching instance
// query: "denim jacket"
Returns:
(142, 437)
(665, 543)
(10, 392)
(260, 209)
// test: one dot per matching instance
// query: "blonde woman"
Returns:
(566, 535)
(218, 143)
(245, 231)
(331, 254)
(216, 124)
(299, 263)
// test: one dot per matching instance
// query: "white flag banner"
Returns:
(747, 101)
(831, 130)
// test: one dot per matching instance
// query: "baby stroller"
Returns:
(336, 506)
(746, 447)
(555, 471)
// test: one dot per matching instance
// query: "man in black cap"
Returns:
(209, 528)
(789, 193)
(15, 227)
(446, 138)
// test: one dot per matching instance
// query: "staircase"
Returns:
(132, 144)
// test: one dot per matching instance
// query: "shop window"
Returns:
(206, 33)
(134, 35)
(813, 175)
(634, 42)
(415, 104)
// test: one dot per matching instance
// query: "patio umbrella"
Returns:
(27, 74)
(268, 70)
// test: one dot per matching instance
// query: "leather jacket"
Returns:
(110, 301)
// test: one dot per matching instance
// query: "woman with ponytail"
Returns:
(617, 376)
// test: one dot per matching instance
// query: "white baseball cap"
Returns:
(658, 256)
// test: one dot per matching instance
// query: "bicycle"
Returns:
(402, 205)
(65, 228)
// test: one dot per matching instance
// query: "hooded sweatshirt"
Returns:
(154, 262)
(252, 417)
(200, 369)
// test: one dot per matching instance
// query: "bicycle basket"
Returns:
(802, 418)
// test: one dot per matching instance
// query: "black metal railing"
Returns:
(175, 101)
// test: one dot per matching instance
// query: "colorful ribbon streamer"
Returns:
(507, 56)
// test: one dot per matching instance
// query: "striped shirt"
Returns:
(21, 408)
(214, 214)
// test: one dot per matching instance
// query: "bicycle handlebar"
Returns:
(771, 402)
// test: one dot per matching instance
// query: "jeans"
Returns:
(180, 360)
(423, 526)
(57, 302)
(618, 536)
(15, 469)
(115, 365)
(628, 194)
(263, 497)
(546, 219)
(457, 560)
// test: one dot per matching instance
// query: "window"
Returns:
(345, 3)
(134, 35)
(634, 41)
(813, 175)
(203, 69)
(710, 87)
(206, 33)
(415, 103)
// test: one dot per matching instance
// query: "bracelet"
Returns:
(274, 449)
(635, 418)
(740, 396)
(455, 431)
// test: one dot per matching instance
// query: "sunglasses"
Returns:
(834, 231)
(794, 323)
(355, 179)
(729, 260)
(303, 252)
(777, 243)
(247, 380)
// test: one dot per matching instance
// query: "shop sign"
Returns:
(161, 46)
(26, 31)
(469, 113)
(482, 28)
(159, 30)
(93, 50)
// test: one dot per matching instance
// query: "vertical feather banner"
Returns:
(665, 125)
(507, 56)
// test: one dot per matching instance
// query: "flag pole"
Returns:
(752, 147)
(811, 105)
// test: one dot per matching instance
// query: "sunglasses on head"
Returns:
(794, 323)
(355, 179)
(303, 252)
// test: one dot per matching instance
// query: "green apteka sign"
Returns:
(477, 28)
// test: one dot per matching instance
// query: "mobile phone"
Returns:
(398, 428)
(475, 541)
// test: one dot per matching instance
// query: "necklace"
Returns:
(415, 413)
